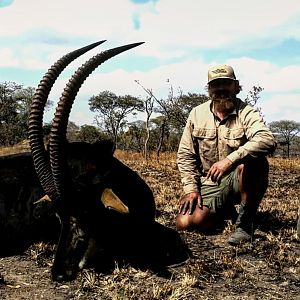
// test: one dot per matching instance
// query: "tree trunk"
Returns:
(147, 138)
(162, 134)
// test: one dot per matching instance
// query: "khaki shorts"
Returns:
(219, 197)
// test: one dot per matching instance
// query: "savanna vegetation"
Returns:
(115, 118)
(266, 268)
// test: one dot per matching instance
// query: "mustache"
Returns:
(223, 95)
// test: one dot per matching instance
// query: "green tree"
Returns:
(89, 134)
(8, 113)
(286, 131)
(14, 109)
(15, 101)
(134, 137)
(174, 111)
(183, 105)
(112, 111)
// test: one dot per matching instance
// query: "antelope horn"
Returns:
(111, 201)
(60, 121)
(35, 123)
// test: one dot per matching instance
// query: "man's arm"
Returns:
(188, 161)
(260, 139)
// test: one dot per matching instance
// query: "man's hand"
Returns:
(218, 169)
(188, 203)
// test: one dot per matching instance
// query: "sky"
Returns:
(259, 39)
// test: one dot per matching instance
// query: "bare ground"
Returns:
(267, 268)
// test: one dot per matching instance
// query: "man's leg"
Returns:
(217, 204)
(252, 183)
(200, 220)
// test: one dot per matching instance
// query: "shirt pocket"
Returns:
(234, 137)
(206, 139)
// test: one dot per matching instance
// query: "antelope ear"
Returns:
(111, 201)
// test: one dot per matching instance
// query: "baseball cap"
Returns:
(220, 71)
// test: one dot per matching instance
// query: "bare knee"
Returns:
(200, 219)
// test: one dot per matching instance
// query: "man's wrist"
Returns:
(190, 188)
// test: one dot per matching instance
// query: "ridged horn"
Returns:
(60, 121)
(35, 122)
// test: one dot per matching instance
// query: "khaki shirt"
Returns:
(206, 140)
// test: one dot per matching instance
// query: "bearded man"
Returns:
(222, 159)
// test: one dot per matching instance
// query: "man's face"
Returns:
(223, 94)
(217, 86)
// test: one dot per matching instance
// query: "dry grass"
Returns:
(40, 253)
(246, 270)
(18, 148)
(267, 268)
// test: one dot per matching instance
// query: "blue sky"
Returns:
(260, 39)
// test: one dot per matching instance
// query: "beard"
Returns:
(223, 101)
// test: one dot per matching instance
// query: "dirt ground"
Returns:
(267, 268)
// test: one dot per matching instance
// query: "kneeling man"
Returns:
(222, 159)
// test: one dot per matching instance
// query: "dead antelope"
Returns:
(82, 193)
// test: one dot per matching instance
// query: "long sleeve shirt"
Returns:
(206, 140)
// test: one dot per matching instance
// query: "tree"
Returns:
(183, 105)
(148, 107)
(89, 134)
(15, 102)
(112, 111)
(286, 131)
(72, 131)
(134, 137)
(173, 111)
(14, 109)
(8, 113)
(253, 96)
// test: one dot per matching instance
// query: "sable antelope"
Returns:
(85, 219)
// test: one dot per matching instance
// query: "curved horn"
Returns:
(60, 121)
(35, 123)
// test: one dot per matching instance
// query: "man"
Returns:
(222, 159)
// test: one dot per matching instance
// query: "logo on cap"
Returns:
(220, 71)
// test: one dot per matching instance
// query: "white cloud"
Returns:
(88, 18)
(209, 24)
(191, 76)
(7, 58)
(268, 75)
(282, 107)
(170, 29)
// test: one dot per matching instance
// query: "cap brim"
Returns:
(223, 77)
